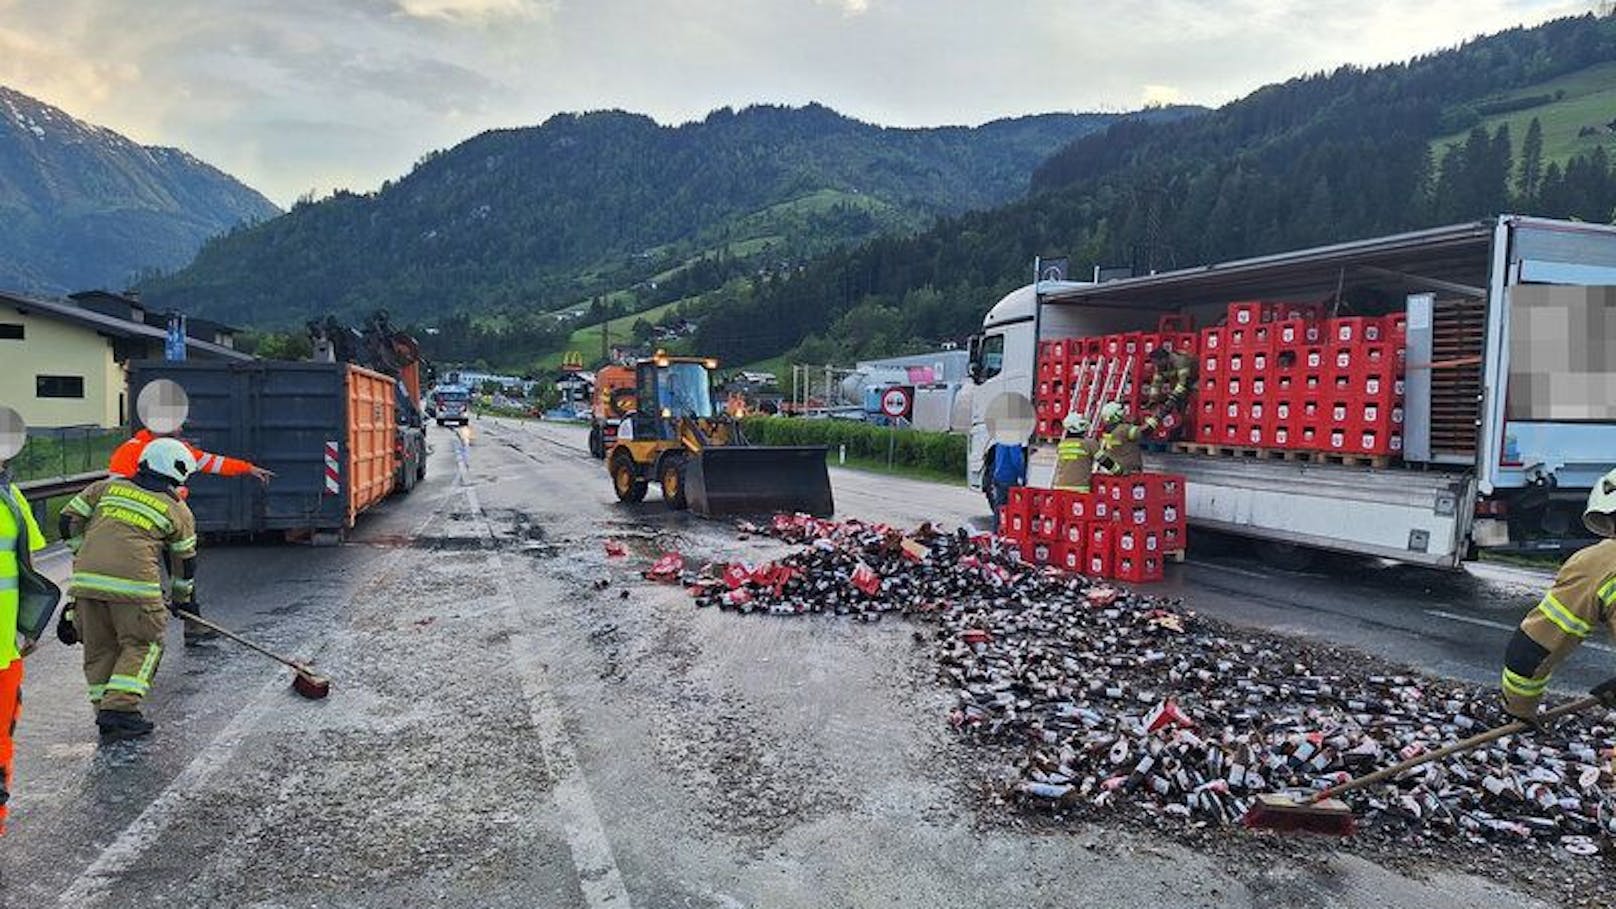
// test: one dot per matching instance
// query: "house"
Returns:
(65, 360)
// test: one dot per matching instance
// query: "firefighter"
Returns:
(1582, 598)
(121, 531)
(1119, 451)
(1074, 455)
(1170, 386)
(14, 537)
(163, 406)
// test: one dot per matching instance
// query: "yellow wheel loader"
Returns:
(680, 439)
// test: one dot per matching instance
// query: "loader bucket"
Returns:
(758, 479)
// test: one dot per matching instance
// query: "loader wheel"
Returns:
(672, 478)
(597, 444)
(626, 481)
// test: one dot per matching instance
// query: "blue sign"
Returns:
(174, 345)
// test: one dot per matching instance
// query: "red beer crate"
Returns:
(1074, 532)
(1281, 435)
(1097, 551)
(1214, 340)
(1229, 433)
(1069, 557)
(1209, 406)
(1296, 332)
(1038, 552)
(1138, 540)
(1206, 431)
(1173, 537)
(1101, 510)
(1377, 440)
(1253, 434)
(1238, 361)
(1395, 328)
(1046, 527)
(1287, 311)
(1245, 315)
(1307, 437)
(1074, 505)
(1234, 387)
(1138, 569)
(1354, 330)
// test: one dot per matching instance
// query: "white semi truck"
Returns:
(1486, 305)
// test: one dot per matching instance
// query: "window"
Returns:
(11, 331)
(992, 353)
(59, 386)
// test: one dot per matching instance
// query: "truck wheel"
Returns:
(420, 465)
(597, 445)
(626, 481)
(672, 477)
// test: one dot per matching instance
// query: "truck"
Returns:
(451, 404)
(1481, 467)
(377, 346)
(612, 400)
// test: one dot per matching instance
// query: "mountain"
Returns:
(518, 221)
(84, 207)
(1446, 137)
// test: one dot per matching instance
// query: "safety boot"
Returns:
(117, 725)
(195, 634)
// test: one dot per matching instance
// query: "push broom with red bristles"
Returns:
(305, 681)
(1324, 813)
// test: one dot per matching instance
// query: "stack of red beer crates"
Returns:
(1115, 366)
(1281, 376)
(1122, 529)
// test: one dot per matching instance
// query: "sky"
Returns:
(306, 96)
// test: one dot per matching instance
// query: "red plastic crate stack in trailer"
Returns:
(1089, 371)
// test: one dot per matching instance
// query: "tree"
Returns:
(1531, 167)
(642, 331)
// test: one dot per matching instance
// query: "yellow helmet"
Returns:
(1600, 515)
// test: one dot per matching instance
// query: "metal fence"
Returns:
(66, 452)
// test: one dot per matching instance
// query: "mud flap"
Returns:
(758, 479)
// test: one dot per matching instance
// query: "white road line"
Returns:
(1232, 570)
(94, 884)
(592, 858)
(1501, 626)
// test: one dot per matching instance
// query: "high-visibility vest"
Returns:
(10, 534)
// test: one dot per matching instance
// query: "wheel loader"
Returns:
(681, 439)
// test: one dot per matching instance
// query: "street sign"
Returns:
(896, 401)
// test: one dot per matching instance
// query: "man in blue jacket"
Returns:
(1009, 469)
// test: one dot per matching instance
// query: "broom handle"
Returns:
(1576, 706)
(193, 617)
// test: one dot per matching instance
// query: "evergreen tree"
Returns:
(1531, 169)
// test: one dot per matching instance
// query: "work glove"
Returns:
(1605, 691)
(67, 631)
(174, 608)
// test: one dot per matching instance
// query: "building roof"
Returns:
(110, 325)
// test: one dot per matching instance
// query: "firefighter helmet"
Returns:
(1112, 413)
(168, 458)
(1600, 516)
(1076, 423)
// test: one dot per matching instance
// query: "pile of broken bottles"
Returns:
(1129, 702)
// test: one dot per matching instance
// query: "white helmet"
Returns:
(1112, 412)
(1076, 423)
(168, 458)
(1600, 516)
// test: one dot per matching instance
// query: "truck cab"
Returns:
(451, 404)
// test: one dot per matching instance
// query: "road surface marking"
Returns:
(592, 858)
(1488, 623)
(1232, 570)
(93, 885)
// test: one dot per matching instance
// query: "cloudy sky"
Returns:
(300, 95)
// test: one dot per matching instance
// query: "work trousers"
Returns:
(123, 643)
(10, 709)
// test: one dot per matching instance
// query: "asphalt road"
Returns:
(519, 720)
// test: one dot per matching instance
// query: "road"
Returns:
(519, 720)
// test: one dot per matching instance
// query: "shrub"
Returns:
(939, 451)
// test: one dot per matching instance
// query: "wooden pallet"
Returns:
(1302, 455)
(1347, 459)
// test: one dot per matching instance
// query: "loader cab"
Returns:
(667, 389)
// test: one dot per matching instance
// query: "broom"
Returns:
(1324, 813)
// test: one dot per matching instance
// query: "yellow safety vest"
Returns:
(9, 534)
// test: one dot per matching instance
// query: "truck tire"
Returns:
(626, 481)
(671, 475)
(597, 444)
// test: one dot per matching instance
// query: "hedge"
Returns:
(940, 451)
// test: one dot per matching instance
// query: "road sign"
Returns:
(896, 401)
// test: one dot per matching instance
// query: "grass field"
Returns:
(1589, 100)
(68, 453)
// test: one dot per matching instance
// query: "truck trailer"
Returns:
(1510, 403)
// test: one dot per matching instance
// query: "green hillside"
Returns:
(1314, 160)
(534, 219)
(1568, 108)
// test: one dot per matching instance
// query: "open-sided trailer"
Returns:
(1479, 467)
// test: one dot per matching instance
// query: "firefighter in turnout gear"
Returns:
(1169, 389)
(121, 530)
(1119, 451)
(1074, 455)
(1582, 598)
